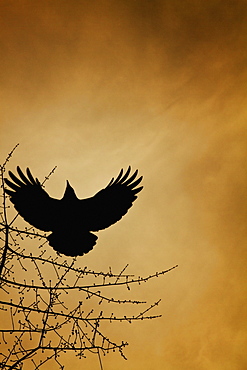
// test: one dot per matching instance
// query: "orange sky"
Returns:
(95, 86)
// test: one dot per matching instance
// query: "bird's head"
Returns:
(69, 193)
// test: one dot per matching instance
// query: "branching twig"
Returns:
(52, 306)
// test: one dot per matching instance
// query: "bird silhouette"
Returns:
(71, 219)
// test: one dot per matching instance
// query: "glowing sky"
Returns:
(93, 86)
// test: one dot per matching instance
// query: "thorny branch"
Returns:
(49, 305)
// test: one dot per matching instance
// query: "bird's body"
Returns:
(71, 219)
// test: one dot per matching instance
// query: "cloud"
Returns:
(94, 86)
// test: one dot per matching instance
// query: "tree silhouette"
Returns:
(50, 306)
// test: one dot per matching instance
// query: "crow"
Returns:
(71, 219)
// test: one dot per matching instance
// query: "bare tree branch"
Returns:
(49, 305)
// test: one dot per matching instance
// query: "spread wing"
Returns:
(31, 200)
(109, 205)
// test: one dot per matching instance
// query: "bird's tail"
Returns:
(72, 244)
